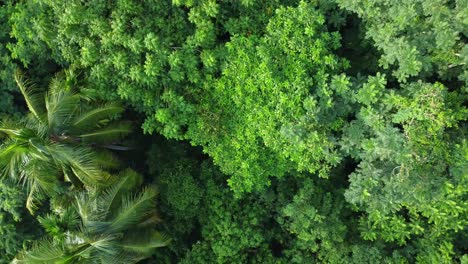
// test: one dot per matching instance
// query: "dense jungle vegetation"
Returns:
(233, 131)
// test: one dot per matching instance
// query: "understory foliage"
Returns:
(17, 227)
(281, 131)
(7, 68)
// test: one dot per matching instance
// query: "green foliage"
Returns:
(124, 56)
(411, 180)
(54, 141)
(314, 217)
(417, 38)
(15, 226)
(263, 117)
(293, 222)
(7, 68)
(309, 160)
(114, 225)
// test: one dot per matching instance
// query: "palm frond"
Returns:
(70, 176)
(134, 209)
(10, 128)
(51, 224)
(39, 128)
(18, 151)
(89, 119)
(144, 242)
(33, 98)
(34, 198)
(10, 124)
(39, 148)
(64, 203)
(56, 224)
(152, 220)
(121, 258)
(10, 132)
(106, 244)
(82, 205)
(38, 176)
(111, 197)
(93, 228)
(110, 133)
(92, 180)
(12, 156)
(57, 84)
(40, 184)
(43, 252)
(81, 161)
(61, 108)
(44, 174)
(106, 159)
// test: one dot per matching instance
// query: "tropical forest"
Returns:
(233, 131)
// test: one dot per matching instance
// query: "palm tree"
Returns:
(59, 140)
(109, 226)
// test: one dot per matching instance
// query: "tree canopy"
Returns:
(281, 131)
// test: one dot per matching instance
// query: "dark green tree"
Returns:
(411, 181)
(417, 38)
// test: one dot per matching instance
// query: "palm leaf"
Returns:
(144, 242)
(152, 220)
(41, 181)
(58, 83)
(106, 159)
(10, 132)
(82, 205)
(33, 198)
(109, 133)
(88, 179)
(51, 224)
(81, 161)
(111, 198)
(10, 128)
(121, 258)
(70, 176)
(91, 118)
(43, 173)
(43, 252)
(12, 159)
(34, 99)
(106, 244)
(133, 210)
(60, 110)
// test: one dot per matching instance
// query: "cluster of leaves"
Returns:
(294, 221)
(266, 114)
(7, 68)
(411, 180)
(417, 38)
